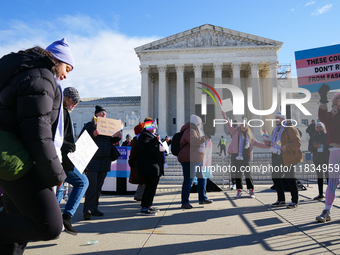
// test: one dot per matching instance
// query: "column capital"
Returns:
(162, 68)
(264, 72)
(179, 67)
(273, 64)
(236, 66)
(198, 67)
(218, 67)
(144, 69)
(254, 65)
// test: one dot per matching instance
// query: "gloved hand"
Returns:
(68, 147)
(323, 90)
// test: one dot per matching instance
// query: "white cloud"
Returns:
(292, 10)
(106, 64)
(310, 3)
(322, 10)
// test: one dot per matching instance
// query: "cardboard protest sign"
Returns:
(318, 66)
(85, 149)
(108, 126)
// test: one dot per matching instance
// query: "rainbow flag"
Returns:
(265, 135)
(150, 124)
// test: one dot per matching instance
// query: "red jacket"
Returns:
(190, 144)
(332, 124)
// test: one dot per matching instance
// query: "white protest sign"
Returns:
(85, 149)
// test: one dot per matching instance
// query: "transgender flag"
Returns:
(318, 66)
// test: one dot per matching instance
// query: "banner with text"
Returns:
(318, 66)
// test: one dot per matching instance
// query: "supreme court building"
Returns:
(172, 66)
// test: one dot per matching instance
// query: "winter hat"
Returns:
(99, 109)
(322, 125)
(72, 93)
(61, 51)
(139, 128)
(334, 98)
(280, 115)
(194, 119)
(129, 136)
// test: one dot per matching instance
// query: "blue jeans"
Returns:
(189, 167)
(80, 183)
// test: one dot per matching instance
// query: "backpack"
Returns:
(175, 143)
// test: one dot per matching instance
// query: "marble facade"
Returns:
(172, 66)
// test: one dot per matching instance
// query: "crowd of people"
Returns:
(32, 78)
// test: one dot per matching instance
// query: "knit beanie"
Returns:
(334, 98)
(72, 93)
(280, 115)
(99, 109)
(322, 125)
(61, 51)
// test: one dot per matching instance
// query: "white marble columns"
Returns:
(256, 96)
(180, 99)
(144, 91)
(198, 78)
(219, 129)
(162, 101)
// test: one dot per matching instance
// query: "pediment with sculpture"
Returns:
(209, 37)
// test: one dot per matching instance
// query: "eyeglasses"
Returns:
(74, 102)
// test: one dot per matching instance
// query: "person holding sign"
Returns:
(331, 119)
(30, 99)
(78, 180)
(99, 165)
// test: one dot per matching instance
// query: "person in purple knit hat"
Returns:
(30, 101)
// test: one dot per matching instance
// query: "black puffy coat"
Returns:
(150, 161)
(29, 106)
(321, 138)
(101, 161)
(68, 142)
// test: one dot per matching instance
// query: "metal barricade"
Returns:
(259, 167)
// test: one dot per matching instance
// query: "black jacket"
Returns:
(29, 106)
(68, 144)
(101, 161)
(150, 161)
(319, 137)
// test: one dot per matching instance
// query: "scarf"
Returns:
(276, 140)
(242, 145)
(59, 133)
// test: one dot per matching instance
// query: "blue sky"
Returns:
(103, 33)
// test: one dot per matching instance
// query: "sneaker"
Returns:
(251, 193)
(239, 193)
(208, 201)
(147, 213)
(292, 205)
(186, 206)
(318, 197)
(232, 186)
(279, 203)
(325, 216)
(151, 209)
